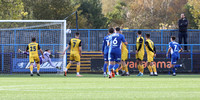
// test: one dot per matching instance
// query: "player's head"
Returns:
(47, 50)
(173, 38)
(139, 32)
(117, 29)
(147, 35)
(33, 39)
(77, 34)
(111, 30)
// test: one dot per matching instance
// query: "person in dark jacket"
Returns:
(183, 23)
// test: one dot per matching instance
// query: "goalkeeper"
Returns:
(46, 58)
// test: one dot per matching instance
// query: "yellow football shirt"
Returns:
(74, 45)
(149, 46)
(140, 40)
(33, 48)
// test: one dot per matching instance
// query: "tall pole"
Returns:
(76, 21)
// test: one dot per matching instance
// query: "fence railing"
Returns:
(92, 38)
(12, 40)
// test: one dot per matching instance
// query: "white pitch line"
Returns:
(16, 86)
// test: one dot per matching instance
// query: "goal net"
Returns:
(17, 34)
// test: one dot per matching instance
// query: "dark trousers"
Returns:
(183, 35)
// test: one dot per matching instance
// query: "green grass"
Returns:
(94, 86)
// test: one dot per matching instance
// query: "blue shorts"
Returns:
(106, 57)
(114, 56)
(174, 59)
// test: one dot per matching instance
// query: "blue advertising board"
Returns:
(22, 65)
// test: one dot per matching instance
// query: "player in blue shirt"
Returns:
(114, 53)
(105, 50)
(175, 49)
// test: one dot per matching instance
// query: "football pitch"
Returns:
(95, 86)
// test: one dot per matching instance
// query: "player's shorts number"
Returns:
(33, 48)
(115, 41)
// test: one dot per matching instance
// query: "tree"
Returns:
(150, 13)
(118, 16)
(107, 6)
(12, 10)
(92, 10)
(54, 10)
(194, 9)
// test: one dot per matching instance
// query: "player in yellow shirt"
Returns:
(33, 48)
(151, 53)
(124, 57)
(140, 53)
(75, 53)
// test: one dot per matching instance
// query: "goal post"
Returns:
(16, 34)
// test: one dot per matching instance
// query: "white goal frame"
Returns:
(59, 21)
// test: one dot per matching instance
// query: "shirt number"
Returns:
(107, 41)
(33, 48)
(115, 41)
(74, 44)
(175, 48)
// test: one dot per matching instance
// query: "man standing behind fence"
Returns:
(182, 24)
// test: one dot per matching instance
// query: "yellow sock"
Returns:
(78, 68)
(107, 69)
(139, 68)
(69, 65)
(31, 69)
(154, 69)
(142, 68)
(126, 68)
(150, 69)
(38, 68)
(123, 68)
(117, 70)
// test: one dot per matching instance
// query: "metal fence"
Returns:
(11, 41)
(92, 38)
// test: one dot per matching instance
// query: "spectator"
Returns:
(182, 24)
